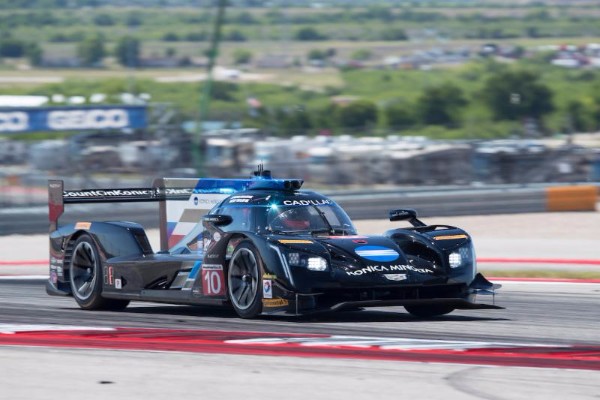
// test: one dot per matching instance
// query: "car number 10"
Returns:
(212, 280)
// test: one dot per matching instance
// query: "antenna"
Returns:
(259, 170)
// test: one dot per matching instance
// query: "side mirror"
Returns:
(406, 214)
(402, 215)
(217, 219)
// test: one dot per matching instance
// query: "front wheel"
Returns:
(86, 277)
(429, 311)
(244, 281)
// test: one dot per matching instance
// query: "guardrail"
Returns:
(373, 204)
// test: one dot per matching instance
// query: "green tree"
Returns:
(358, 114)
(242, 56)
(514, 95)
(91, 50)
(104, 20)
(127, 51)
(224, 91)
(133, 19)
(170, 37)
(11, 48)
(170, 52)
(361, 54)
(400, 115)
(394, 34)
(309, 34)
(292, 121)
(34, 53)
(441, 105)
(579, 119)
(317, 54)
(234, 36)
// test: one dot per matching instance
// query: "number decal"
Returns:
(213, 280)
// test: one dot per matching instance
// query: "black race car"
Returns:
(261, 246)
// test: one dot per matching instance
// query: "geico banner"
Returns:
(15, 120)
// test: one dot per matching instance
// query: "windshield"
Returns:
(327, 219)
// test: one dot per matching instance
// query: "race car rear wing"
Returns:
(182, 202)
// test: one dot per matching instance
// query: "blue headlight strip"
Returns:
(224, 186)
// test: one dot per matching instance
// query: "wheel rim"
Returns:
(83, 271)
(243, 278)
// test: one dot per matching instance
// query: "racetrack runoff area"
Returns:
(100, 374)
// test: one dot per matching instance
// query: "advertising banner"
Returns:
(18, 120)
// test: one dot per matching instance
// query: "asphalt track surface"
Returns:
(549, 335)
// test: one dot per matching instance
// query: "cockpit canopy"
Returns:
(285, 212)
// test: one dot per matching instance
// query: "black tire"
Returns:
(85, 275)
(428, 311)
(244, 280)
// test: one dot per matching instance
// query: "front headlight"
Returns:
(313, 263)
(317, 264)
(455, 259)
(462, 257)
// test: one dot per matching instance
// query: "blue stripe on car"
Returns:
(377, 253)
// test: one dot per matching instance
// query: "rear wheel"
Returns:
(429, 310)
(86, 277)
(244, 281)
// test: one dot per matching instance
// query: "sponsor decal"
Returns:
(204, 201)
(275, 302)
(315, 202)
(213, 280)
(118, 284)
(369, 269)
(13, 121)
(395, 277)
(83, 225)
(53, 277)
(173, 192)
(217, 236)
(267, 289)
(295, 241)
(111, 276)
(240, 199)
(88, 119)
(377, 253)
(56, 263)
(107, 193)
(359, 241)
(269, 276)
(72, 118)
(450, 237)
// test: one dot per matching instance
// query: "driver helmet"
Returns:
(297, 218)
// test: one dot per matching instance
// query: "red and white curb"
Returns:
(303, 345)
